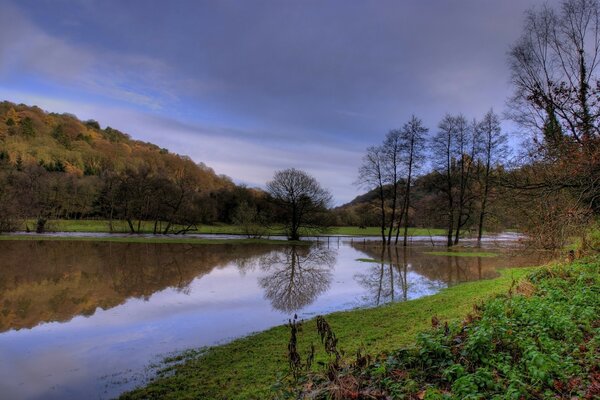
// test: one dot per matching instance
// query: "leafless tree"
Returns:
(302, 200)
(493, 150)
(372, 175)
(442, 149)
(454, 155)
(557, 97)
(466, 154)
(413, 136)
(554, 70)
(393, 149)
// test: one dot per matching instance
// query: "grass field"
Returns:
(120, 226)
(247, 368)
(142, 239)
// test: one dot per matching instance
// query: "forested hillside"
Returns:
(56, 166)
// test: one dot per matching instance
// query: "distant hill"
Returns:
(364, 198)
(61, 142)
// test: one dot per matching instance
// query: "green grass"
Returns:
(462, 253)
(247, 368)
(368, 260)
(141, 239)
(540, 341)
(120, 226)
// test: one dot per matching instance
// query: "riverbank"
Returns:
(119, 226)
(540, 340)
(247, 368)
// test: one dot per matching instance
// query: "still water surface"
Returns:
(85, 319)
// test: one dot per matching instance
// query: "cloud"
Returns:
(250, 87)
(26, 49)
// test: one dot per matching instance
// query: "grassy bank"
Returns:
(248, 367)
(119, 226)
(540, 341)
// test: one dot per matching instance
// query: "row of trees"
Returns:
(389, 168)
(174, 201)
(54, 166)
(465, 158)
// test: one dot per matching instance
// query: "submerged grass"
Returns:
(368, 260)
(462, 254)
(247, 368)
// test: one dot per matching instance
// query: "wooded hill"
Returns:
(61, 142)
(56, 166)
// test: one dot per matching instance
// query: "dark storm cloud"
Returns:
(286, 77)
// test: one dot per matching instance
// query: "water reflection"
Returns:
(296, 276)
(110, 309)
(403, 273)
(51, 281)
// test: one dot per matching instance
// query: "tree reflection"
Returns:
(386, 280)
(296, 276)
(57, 280)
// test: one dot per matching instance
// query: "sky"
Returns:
(250, 86)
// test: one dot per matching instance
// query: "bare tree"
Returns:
(302, 200)
(554, 67)
(493, 150)
(394, 149)
(442, 147)
(465, 153)
(372, 175)
(413, 135)
(557, 97)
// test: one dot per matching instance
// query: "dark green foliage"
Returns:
(58, 133)
(542, 342)
(114, 135)
(93, 124)
(53, 166)
(27, 128)
(89, 170)
(84, 138)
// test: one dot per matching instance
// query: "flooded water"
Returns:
(84, 319)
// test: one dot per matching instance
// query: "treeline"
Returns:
(54, 166)
(464, 160)
(551, 190)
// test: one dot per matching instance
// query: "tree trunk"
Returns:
(382, 205)
(130, 223)
(482, 215)
(407, 194)
(450, 227)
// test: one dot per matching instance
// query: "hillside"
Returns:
(64, 143)
(55, 166)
